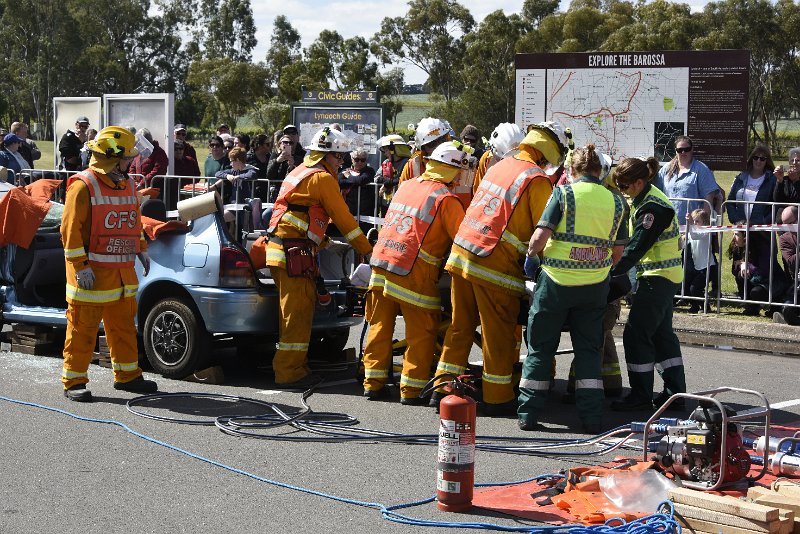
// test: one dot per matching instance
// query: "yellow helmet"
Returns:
(114, 142)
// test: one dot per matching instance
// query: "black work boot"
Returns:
(78, 393)
(137, 385)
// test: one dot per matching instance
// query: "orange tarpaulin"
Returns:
(21, 215)
(42, 189)
(154, 228)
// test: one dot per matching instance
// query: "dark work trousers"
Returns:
(552, 306)
(649, 340)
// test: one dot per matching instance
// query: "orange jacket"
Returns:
(319, 189)
(495, 201)
(502, 269)
(407, 221)
(484, 164)
(415, 167)
(116, 226)
(110, 283)
(420, 286)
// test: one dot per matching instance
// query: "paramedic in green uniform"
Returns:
(653, 249)
(581, 235)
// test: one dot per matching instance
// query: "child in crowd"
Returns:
(700, 263)
(754, 267)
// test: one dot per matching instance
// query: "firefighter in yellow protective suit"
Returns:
(430, 134)
(486, 265)
(102, 235)
(309, 198)
(418, 231)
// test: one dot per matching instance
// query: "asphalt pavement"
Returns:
(68, 469)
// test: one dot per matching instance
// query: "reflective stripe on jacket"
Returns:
(317, 217)
(116, 225)
(579, 251)
(664, 257)
(498, 194)
(407, 221)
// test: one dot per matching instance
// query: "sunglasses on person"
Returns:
(760, 158)
(286, 142)
(214, 145)
(683, 149)
(469, 140)
(338, 155)
(360, 159)
(622, 187)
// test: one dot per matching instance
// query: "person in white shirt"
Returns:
(700, 263)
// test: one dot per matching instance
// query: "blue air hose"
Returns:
(663, 522)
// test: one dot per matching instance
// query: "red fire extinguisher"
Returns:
(456, 462)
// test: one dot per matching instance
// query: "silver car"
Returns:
(202, 288)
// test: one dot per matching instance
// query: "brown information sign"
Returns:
(636, 103)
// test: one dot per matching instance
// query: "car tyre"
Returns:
(175, 342)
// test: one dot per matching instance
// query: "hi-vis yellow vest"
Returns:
(663, 258)
(579, 251)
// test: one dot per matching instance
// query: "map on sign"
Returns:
(625, 112)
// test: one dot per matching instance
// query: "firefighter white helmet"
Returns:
(505, 138)
(391, 139)
(450, 153)
(329, 140)
(430, 129)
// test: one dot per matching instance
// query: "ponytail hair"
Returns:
(585, 160)
(631, 169)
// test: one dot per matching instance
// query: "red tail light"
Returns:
(234, 269)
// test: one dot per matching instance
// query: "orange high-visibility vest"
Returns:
(406, 223)
(318, 219)
(116, 223)
(494, 203)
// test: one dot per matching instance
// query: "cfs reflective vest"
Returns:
(317, 217)
(579, 251)
(664, 257)
(407, 221)
(116, 225)
(493, 204)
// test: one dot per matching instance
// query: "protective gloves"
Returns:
(85, 278)
(531, 266)
(145, 259)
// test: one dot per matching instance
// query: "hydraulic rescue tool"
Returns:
(707, 450)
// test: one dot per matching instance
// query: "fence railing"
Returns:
(781, 287)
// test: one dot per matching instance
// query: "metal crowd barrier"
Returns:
(28, 176)
(748, 226)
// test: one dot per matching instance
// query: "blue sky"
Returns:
(359, 17)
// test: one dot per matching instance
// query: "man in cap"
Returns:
(180, 135)
(290, 155)
(102, 235)
(308, 199)
(223, 129)
(71, 143)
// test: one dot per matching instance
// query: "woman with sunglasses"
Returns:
(756, 184)
(357, 189)
(686, 177)
(653, 250)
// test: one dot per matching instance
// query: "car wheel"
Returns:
(175, 342)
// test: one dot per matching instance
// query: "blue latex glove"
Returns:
(531, 266)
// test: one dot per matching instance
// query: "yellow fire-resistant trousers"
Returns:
(83, 322)
(421, 329)
(297, 297)
(496, 312)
